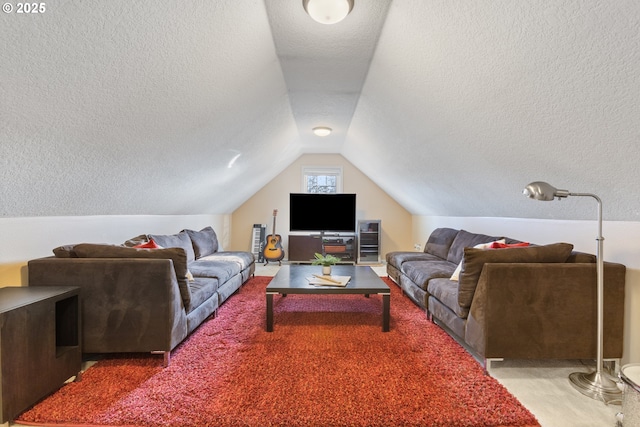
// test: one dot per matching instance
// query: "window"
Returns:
(321, 179)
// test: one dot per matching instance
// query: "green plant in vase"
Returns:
(326, 261)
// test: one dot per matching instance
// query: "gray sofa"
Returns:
(137, 298)
(530, 302)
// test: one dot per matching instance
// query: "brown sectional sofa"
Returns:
(145, 300)
(535, 302)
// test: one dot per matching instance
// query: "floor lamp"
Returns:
(596, 385)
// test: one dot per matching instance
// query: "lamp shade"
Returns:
(539, 190)
(328, 11)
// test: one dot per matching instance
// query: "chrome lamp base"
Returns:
(596, 385)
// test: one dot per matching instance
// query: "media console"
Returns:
(303, 247)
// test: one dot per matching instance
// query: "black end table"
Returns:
(39, 344)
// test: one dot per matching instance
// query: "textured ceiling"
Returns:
(452, 107)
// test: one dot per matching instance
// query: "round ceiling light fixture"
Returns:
(328, 11)
(322, 130)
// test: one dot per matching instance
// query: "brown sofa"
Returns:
(141, 299)
(533, 302)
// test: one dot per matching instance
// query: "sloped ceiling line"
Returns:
(451, 107)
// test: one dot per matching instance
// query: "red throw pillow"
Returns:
(151, 244)
(499, 245)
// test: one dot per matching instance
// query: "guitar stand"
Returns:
(267, 262)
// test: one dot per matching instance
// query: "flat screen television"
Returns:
(322, 212)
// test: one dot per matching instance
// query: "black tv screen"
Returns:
(322, 212)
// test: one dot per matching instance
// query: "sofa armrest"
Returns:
(545, 311)
(127, 304)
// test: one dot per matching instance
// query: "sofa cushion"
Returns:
(474, 260)
(396, 259)
(463, 240)
(219, 269)
(582, 257)
(65, 251)
(134, 241)
(180, 240)
(205, 241)
(243, 259)
(446, 291)
(201, 289)
(176, 255)
(420, 272)
(440, 241)
(96, 250)
(492, 245)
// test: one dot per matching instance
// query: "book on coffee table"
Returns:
(319, 280)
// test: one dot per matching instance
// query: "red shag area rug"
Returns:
(327, 363)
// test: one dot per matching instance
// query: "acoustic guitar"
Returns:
(273, 244)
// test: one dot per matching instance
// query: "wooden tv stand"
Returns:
(303, 247)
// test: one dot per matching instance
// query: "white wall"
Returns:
(621, 244)
(22, 239)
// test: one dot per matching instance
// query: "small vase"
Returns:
(326, 270)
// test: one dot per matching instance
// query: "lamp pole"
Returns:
(596, 385)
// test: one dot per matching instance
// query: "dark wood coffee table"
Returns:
(292, 279)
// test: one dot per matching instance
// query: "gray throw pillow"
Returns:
(177, 255)
(180, 240)
(205, 241)
(440, 241)
(463, 240)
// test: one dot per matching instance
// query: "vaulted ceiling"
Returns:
(452, 107)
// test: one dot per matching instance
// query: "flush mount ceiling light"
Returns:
(328, 11)
(322, 130)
